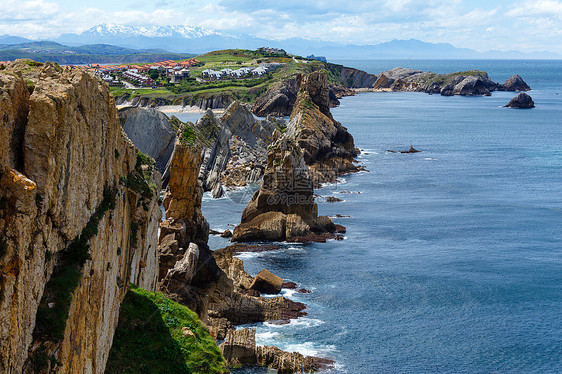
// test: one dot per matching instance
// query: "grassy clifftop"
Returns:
(152, 338)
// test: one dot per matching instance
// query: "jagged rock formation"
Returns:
(467, 83)
(236, 154)
(353, 78)
(514, 83)
(283, 208)
(151, 131)
(184, 223)
(521, 101)
(201, 101)
(188, 270)
(64, 212)
(279, 98)
(328, 147)
(239, 348)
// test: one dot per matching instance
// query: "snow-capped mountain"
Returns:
(178, 38)
(184, 31)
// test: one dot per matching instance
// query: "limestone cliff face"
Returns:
(328, 148)
(353, 78)
(236, 156)
(279, 98)
(61, 149)
(151, 131)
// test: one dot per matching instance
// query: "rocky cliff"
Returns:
(464, 83)
(236, 145)
(151, 131)
(74, 230)
(353, 78)
(283, 208)
(328, 148)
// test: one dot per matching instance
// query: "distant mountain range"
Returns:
(191, 39)
(103, 53)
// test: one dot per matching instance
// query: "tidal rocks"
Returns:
(283, 208)
(151, 131)
(514, 83)
(266, 282)
(521, 101)
(239, 348)
(411, 150)
(328, 148)
(236, 153)
(472, 85)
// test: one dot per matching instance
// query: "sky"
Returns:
(524, 25)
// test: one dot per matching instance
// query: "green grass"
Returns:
(188, 135)
(149, 339)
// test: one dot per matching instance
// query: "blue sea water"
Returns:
(452, 261)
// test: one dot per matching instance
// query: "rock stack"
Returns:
(283, 208)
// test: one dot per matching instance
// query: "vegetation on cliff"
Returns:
(245, 90)
(158, 335)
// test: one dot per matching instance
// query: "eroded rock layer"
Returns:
(328, 148)
(65, 211)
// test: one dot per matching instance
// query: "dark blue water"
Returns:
(453, 258)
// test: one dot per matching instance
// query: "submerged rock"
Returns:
(521, 101)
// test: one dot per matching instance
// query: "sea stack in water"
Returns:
(328, 148)
(514, 83)
(521, 101)
(283, 208)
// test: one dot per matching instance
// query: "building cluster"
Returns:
(269, 50)
(244, 72)
(176, 71)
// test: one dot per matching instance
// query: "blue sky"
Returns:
(526, 25)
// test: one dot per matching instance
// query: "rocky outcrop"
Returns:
(279, 98)
(65, 219)
(266, 282)
(353, 78)
(466, 83)
(521, 101)
(239, 348)
(514, 83)
(151, 131)
(184, 223)
(236, 154)
(283, 208)
(328, 148)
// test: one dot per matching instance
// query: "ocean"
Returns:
(452, 261)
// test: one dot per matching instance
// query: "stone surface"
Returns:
(514, 83)
(59, 140)
(328, 148)
(239, 348)
(236, 154)
(279, 98)
(521, 101)
(283, 208)
(266, 282)
(151, 131)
